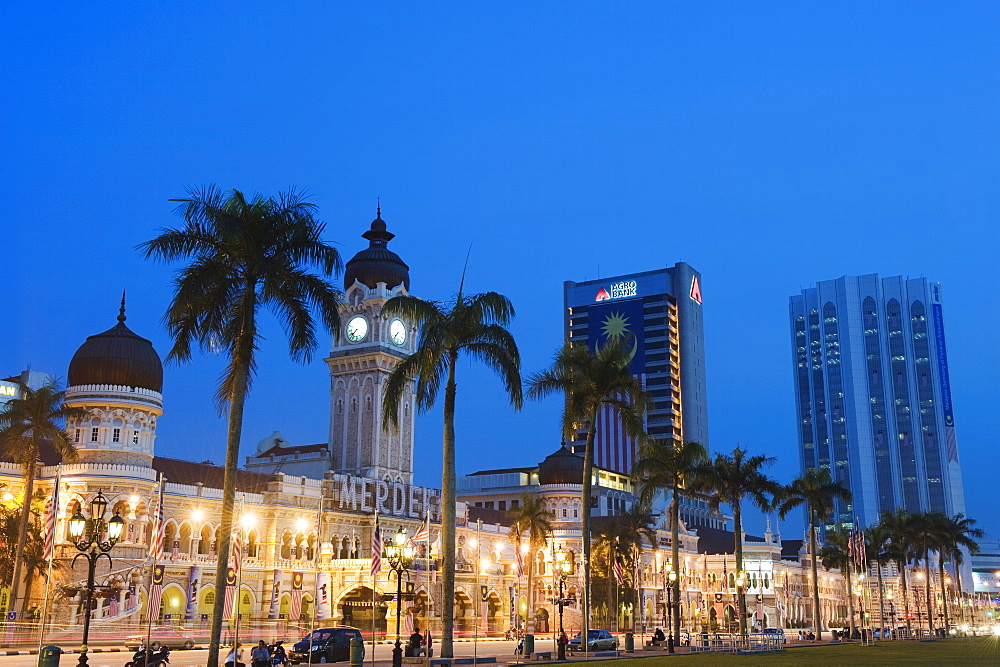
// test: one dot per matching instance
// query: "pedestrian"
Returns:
(278, 655)
(260, 656)
(519, 649)
(428, 644)
(235, 656)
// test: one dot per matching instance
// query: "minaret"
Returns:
(367, 350)
(116, 376)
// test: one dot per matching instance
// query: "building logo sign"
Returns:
(8, 389)
(623, 290)
(695, 289)
(388, 498)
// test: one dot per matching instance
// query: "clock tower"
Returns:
(368, 349)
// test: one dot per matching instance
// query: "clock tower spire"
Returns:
(367, 350)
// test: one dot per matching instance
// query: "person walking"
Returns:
(260, 656)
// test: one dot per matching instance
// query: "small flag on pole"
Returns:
(155, 592)
(156, 542)
(227, 610)
(296, 608)
(619, 571)
(51, 510)
(376, 548)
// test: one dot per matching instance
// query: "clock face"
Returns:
(397, 332)
(357, 329)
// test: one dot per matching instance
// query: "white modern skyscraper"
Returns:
(872, 394)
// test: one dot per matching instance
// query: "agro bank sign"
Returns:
(623, 290)
(364, 494)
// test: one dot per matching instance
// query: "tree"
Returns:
(928, 529)
(33, 561)
(878, 548)
(245, 255)
(590, 382)
(669, 464)
(960, 533)
(35, 417)
(734, 478)
(531, 518)
(899, 524)
(622, 536)
(836, 553)
(817, 490)
(473, 325)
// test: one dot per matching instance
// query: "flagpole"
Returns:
(156, 536)
(375, 581)
(52, 556)
(316, 551)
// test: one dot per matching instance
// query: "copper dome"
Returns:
(377, 264)
(561, 467)
(117, 357)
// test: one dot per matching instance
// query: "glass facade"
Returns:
(868, 394)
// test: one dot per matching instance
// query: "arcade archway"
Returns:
(358, 610)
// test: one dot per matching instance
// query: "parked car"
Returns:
(597, 640)
(777, 634)
(174, 636)
(328, 645)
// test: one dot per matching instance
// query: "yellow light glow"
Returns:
(174, 602)
(248, 520)
(197, 515)
(300, 524)
(484, 563)
(472, 543)
(524, 549)
(133, 499)
(7, 497)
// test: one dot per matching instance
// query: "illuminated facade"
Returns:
(872, 394)
(659, 314)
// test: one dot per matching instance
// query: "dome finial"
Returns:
(378, 207)
(121, 311)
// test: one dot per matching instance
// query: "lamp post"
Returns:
(94, 537)
(671, 578)
(564, 565)
(400, 555)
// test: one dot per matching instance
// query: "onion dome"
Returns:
(117, 357)
(561, 467)
(377, 264)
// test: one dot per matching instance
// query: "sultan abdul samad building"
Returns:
(308, 510)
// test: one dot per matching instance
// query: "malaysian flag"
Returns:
(237, 544)
(113, 605)
(619, 571)
(155, 592)
(296, 608)
(51, 509)
(518, 555)
(227, 610)
(376, 548)
(156, 542)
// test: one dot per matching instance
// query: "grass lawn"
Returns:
(955, 651)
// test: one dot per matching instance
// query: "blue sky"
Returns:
(769, 145)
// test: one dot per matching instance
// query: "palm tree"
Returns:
(474, 325)
(961, 533)
(36, 416)
(669, 464)
(735, 478)
(899, 524)
(928, 529)
(817, 490)
(244, 254)
(878, 548)
(531, 518)
(837, 553)
(590, 382)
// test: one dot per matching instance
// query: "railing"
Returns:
(714, 642)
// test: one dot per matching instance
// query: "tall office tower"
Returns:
(659, 314)
(872, 394)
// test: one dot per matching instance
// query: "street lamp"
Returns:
(564, 565)
(94, 537)
(400, 555)
(671, 578)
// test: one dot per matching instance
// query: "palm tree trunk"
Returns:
(588, 466)
(22, 531)
(531, 600)
(881, 599)
(944, 591)
(929, 605)
(850, 598)
(237, 402)
(817, 616)
(448, 513)
(906, 596)
(958, 582)
(740, 594)
(675, 550)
